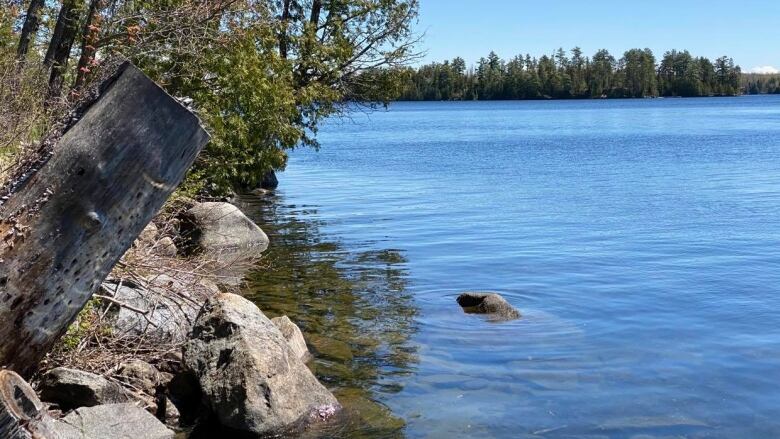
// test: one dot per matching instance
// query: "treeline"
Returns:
(572, 75)
(757, 84)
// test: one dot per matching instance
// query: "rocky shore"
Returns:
(169, 347)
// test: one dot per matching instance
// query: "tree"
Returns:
(61, 43)
(307, 59)
(601, 74)
(30, 27)
(577, 73)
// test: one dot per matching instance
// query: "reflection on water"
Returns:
(352, 306)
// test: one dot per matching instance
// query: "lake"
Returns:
(640, 239)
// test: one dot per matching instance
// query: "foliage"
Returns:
(23, 115)
(86, 323)
(263, 74)
(9, 9)
(565, 75)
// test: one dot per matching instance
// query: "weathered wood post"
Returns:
(65, 222)
(22, 414)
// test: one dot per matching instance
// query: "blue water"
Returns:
(639, 238)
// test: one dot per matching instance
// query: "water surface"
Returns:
(639, 238)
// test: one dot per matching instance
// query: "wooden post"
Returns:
(66, 221)
(22, 415)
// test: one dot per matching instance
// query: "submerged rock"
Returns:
(292, 333)
(251, 378)
(488, 303)
(71, 388)
(221, 229)
(116, 421)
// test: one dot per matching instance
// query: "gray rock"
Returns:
(250, 377)
(169, 412)
(147, 237)
(116, 421)
(168, 316)
(221, 231)
(140, 375)
(260, 192)
(488, 303)
(165, 247)
(292, 333)
(71, 388)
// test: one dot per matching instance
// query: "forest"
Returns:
(572, 75)
(757, 83)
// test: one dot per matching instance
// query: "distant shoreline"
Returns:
(588, 99)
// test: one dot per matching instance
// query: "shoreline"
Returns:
(133, 337)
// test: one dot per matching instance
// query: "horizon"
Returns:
(538, 29)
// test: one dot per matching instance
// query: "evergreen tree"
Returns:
(563, 75)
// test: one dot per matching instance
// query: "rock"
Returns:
(165, 247)
(251, 378)
(260, 192)
(116, 421)
(171, 363)
(168, 413)
(148, 236)
(488, 303)
(210, 286)
(71, 388)
(269, 181)
(169, 316)
(221, 230)
(140, 375)
(292, 333)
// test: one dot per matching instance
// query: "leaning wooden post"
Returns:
(68, 218)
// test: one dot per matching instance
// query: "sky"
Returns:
(746, 30)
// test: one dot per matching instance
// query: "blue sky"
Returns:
(747, 30)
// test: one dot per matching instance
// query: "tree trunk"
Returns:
(69, 215)
(316, 9)
(283, 32)
(88, 41)
(30, 27)
(61, 42)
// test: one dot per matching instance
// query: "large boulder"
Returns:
(251, 378)
(116, 421)
(71, 388)
(492, 304)
(292, 333)
(221, 231)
